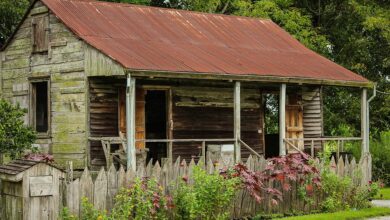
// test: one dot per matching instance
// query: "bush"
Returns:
(340, 193)
(143, 200)
(15, 137)
(209, 197)
(380, 151)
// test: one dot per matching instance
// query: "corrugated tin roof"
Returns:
(158, 39)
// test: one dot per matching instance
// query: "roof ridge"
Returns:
(169, 9)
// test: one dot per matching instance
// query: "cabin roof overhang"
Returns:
(248, 78)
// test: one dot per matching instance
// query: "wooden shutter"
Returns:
(40, 33)
(139, 115)
(294, 123)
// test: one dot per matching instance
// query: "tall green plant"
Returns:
(209, 197)
(380, 151)
(15, 136)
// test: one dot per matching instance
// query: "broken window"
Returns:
(40, 106)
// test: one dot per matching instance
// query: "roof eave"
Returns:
(249, 77)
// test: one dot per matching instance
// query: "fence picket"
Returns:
(100, 190)
(121, 177)
(86, 185)
(112, 184)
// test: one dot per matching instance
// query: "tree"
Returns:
(15, 137)
(11, 12)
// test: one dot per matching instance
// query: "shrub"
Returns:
(143, 200)
(15, 137)
(209, 197)
(380, 150)
(340, 193)
(283, 170)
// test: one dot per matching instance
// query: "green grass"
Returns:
(384, 194)
(345, 215)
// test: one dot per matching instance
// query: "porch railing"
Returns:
(171, 141)
(339, 140)
(107, 141)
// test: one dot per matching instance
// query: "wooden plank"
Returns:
(100, 190)
(112, 184)
(86, 185)
(73, 197)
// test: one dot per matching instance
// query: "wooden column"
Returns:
(237, 121)
(282, 119)
(363, 118)
(130, 123)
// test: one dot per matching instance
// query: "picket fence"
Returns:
(102, 190)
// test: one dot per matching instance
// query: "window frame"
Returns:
(44, 21)
(32, 105)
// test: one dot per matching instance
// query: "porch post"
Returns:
(366, 160)
(363, 118)
(282, 119)
(237, 121)
(130, 123)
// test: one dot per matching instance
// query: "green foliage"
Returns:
(342, 194)
(66, 215)
(143, 200)
(15, 137)
(380, 151)
(209, 197)
(11, 13)
(88, 212)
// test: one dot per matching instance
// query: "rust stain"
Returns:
(156, 39)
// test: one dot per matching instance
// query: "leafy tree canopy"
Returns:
(15, 137)
(11, 11)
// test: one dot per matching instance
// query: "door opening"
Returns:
(271, 120)
(156, 123)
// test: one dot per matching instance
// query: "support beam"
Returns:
(282, 119)
(237, 121)
(130, 123)
(363, 118)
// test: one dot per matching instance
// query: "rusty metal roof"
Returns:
(167, 40)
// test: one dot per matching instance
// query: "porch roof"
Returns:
(176, 41)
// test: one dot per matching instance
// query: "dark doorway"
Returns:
(156, 123)
(271, 116)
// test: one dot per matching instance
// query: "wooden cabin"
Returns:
(106, 82)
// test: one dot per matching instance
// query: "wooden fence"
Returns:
(102, 190)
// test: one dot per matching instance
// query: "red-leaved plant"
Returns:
(283, 170)
(48, 158)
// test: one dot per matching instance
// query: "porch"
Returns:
(135, 120)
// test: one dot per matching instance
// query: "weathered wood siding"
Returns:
(103, 114)
(98, 64)
(63, 65)
(312, 114)
(207, 112)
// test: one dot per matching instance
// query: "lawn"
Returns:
(384, 194)
(345, 215)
